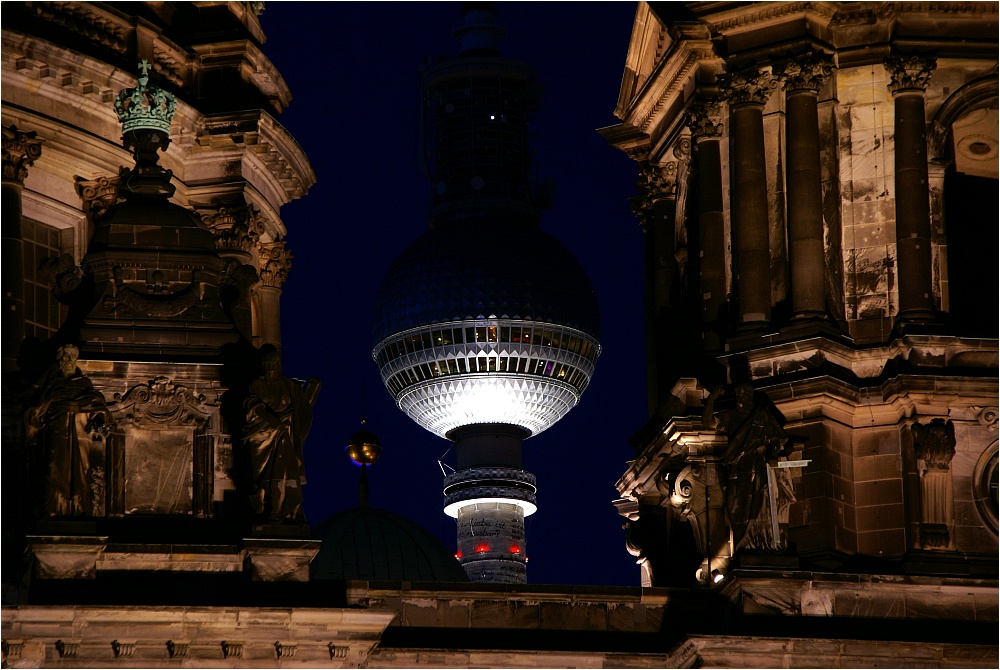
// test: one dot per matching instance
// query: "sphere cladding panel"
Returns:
(476, 271)
(445, 404)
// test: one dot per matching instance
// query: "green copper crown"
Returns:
(146, 107)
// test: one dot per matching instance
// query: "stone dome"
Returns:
(458, 273)
(372, 544)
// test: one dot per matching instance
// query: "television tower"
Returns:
(486, 329)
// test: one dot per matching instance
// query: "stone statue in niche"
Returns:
(66, 419)
(278, 418)
(756, 496)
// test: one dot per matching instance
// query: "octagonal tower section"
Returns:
(486, 329)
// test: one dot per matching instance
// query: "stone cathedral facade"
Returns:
(817, 183)
(816, 483)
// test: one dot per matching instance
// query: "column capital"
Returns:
(705, 120)
(804, 72)
(99, 195)
(20, 150)
(236, 228)
(275, 263)
(909, 72)
(748, 84)
(656, 182)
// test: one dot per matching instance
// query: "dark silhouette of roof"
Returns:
(372, 544)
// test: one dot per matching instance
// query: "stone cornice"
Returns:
(117, 31)
(252, 65)
(279, 166)
(744, 17)
(926, 351)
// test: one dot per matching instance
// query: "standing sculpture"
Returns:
(278, 417)
(755, 496)
(65, 418)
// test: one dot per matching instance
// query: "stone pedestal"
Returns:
(277, 560)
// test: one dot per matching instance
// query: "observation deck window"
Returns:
(505, 334)
(491, 334)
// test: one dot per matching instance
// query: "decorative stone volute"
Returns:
(705, 120)
(934, 443)
(275, 263)
(748, 84)
(805, 72)
(99, 195)
(20, 150)
(161, 403)
(911, 72)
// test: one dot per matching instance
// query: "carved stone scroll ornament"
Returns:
(161, 403)
(62, 273)
(157, 302)
(275, 263)
(748, 84)
(99, 195)
(934, 446)
(988, 417)
(911, 72)
(805, 72)
(235, 228)
(646, 539)
(20, 151)
(705, 120)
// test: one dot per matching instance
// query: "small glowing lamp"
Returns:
(482, 549)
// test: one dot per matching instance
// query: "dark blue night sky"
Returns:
(353, 69)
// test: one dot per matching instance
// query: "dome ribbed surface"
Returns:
(478, 271)
(376, 545)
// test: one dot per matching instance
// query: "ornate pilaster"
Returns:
(803, 76)
(275, 263)
(934, 447)
(20, 150)
(656, 207)
(747, 89)
(706, 123)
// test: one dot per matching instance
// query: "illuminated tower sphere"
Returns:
(486, 329)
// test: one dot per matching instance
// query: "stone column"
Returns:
(275, 262)
(803, 77)
(20, 149)
(656, 207)
(705, 122)
(934, 447)
(747, 90)
(909, 76)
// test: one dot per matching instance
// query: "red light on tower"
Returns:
(514, 549)
(458, 554)
(482, 549)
